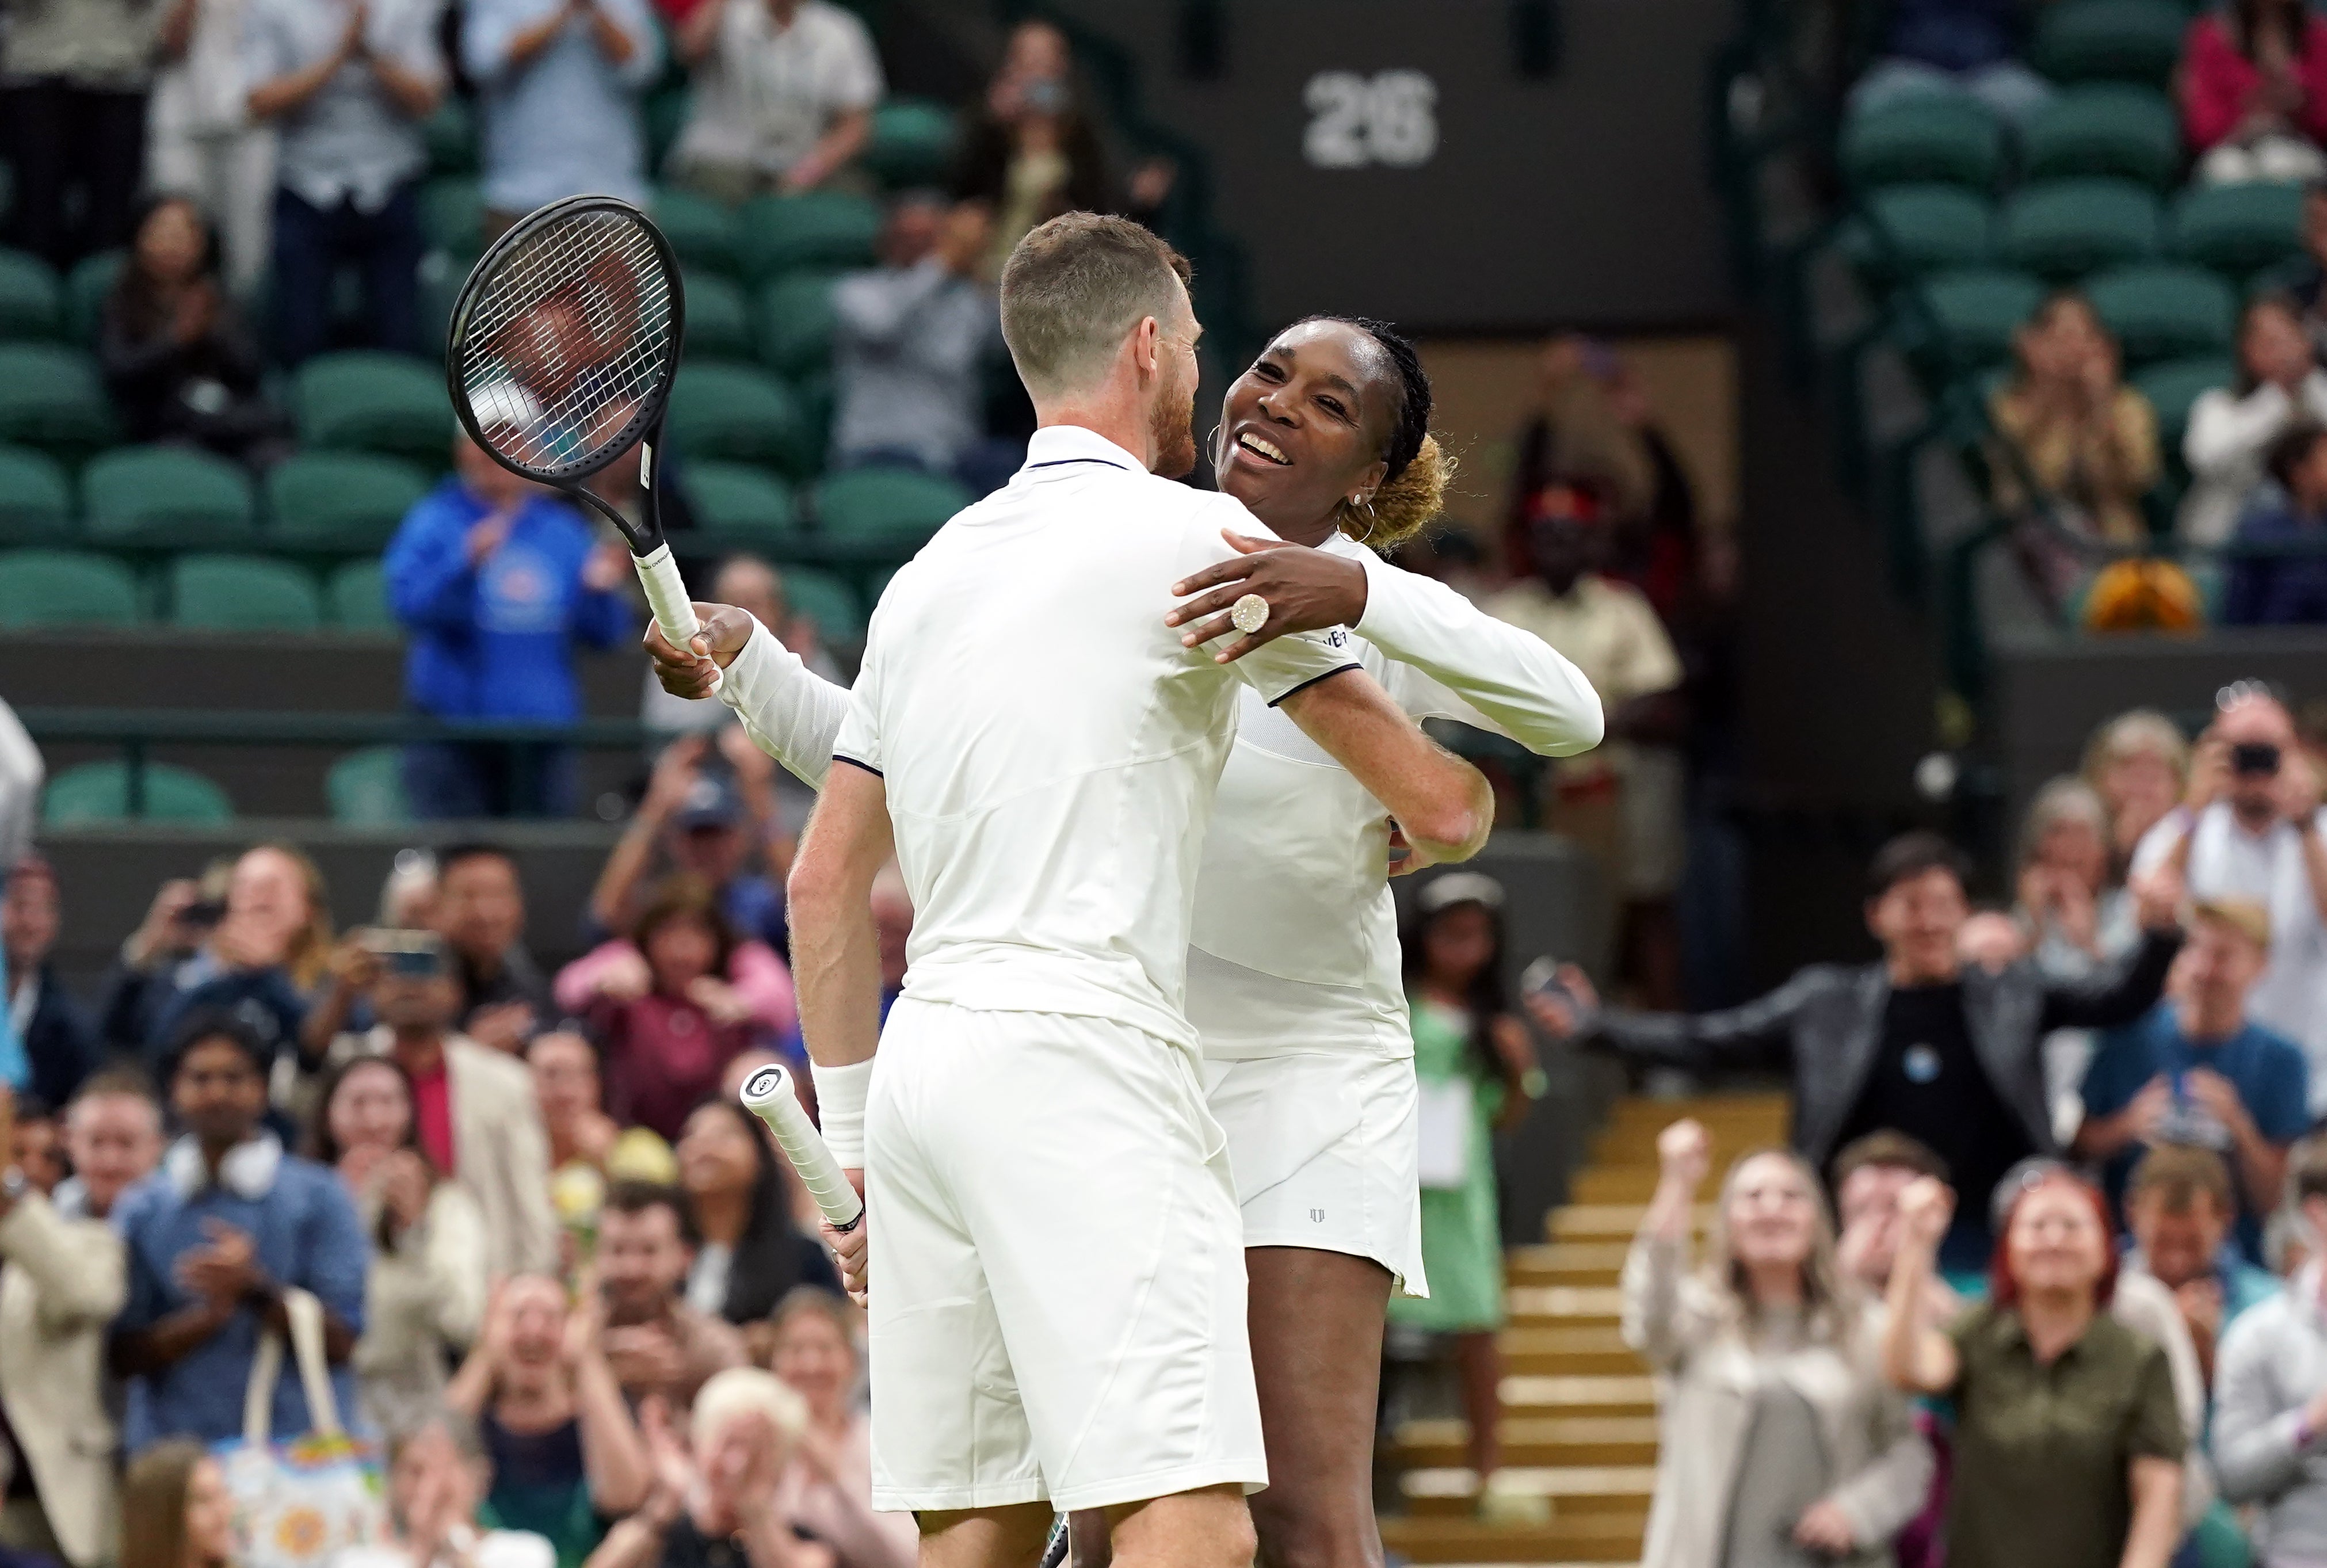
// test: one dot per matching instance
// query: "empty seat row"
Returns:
(2156, 311)
(171, 496)
(763, 238)
(204, 591)
(364, 788)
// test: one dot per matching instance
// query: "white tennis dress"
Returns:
(1292, 977)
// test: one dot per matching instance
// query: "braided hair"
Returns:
(1416, 470)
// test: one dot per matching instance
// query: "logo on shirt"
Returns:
(1337, 637)
(1921, 1064)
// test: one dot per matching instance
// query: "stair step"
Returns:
(1584, 1539)
(1567, 1262)
(1580, 1350)
(1565, 1303)
(1580, 1491)
(1632, 1394)
(1605, 1222)
(1638, 1111)
(1536, 1443)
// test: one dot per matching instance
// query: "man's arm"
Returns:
(835, 950)
(1444, 805)
(791, 712)
(2123, 992)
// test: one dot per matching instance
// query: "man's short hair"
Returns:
(1888, 1150)
(2306, 1168)
(1909, 856)
(2288, 449)
(2245, 916)
(2176, 1173)
(127, 1083)
(1074, 288)
(453, 855)
(635, 1197)
(210, 1025)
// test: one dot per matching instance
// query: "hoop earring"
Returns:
(1212, 444)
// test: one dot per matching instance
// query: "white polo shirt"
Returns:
(1050, 750)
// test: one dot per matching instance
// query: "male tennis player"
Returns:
(1059, 1316)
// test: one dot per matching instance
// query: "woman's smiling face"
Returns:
(1304, 428)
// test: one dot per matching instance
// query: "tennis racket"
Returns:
(768, 1095)
(564, 345)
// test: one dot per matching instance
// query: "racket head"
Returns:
(565, 339)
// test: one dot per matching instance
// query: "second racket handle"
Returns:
(666, 596)
(768, 1095)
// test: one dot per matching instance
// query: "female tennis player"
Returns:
(1293, 980)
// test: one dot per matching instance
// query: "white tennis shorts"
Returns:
(1057, 1303)
(1323, 1144)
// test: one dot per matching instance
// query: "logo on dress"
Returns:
(1337, 637)
(1921, 1064)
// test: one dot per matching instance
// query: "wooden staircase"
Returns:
(1579, 1409)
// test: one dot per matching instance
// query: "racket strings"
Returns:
(565, 342)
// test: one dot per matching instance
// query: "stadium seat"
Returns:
(718, 321)
(826, 600)
(348, 500)
(98, 792)
(795, 322)
(2238, 230)
(35, 498)
(2109, 129)
(699, 229)
(819, 229)
(372, 401)
(1973, 314)
(739, 412)
(366, 788)
(32, 301)
(51, 397)
(875, 501)
(2065, 228)
(356, 596)
(65, 588)
(451, 134)
(2130, 40)
(220, 593)
(913, 143)
(2162, 312)
(1909, 230)
(86, 286)
(731, 498)
(452, 214)
(2173, 387)
(1949, 139)
(171, 495)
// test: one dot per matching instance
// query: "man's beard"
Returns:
(1172, 430)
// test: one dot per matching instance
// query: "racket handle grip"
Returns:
(666, 596)
(768, 1095)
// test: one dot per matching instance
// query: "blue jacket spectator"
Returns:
(2199, 1071)
(56, 1032)
(2285, 582)
(215, 1238)
(558, 83)
(498, 583)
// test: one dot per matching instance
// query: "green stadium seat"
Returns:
(818, 228)
(733, 499)
(65, 588)
(2238, 230)
(664, 116)
(1909, 230)
(738, 412)
(699, 229)
(344, 500)
(913, 143)
(51, 397)
(2132, 40)
(2109, 129)
(1973, 314)
(795, 321)
(2162, 312)
(2173, 387)
(2065, 228)
(366, 788)
(452, 214)
(826, 600)
(356, 596)
(172, 495)
(86, 286)
(870, 502)
(220, 593)
(451, 134)
(98, 792)
(1949, 139)
(32, 301)
(36, 505)
(718, 321)
(369, 400)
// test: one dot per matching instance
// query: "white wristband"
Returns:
(840, 1094)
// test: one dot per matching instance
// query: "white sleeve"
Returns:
(21, 773)
(2159, 841)
(1519, 684)
(1275, 669)
(2226, 430)
(790, 712)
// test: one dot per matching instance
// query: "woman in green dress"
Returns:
(1478, 1073)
